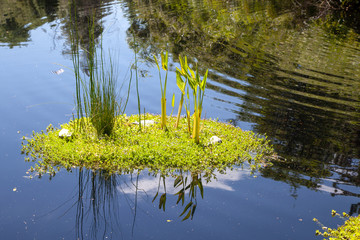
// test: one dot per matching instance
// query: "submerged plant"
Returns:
(164, 65)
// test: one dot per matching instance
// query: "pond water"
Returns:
(271, 70)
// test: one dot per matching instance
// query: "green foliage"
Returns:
(164, 65)
(198, 88)
(152, 148)
(96, 96)
(349, 231)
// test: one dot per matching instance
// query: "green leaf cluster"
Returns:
(129, 149)
(350, 230)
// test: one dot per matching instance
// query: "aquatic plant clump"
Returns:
(152, 148)
(350, 230)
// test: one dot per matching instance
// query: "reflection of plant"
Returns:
(101, 190)
(349, 231)
(192, 187)
(162, 200)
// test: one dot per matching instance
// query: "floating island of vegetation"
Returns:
(130, 147)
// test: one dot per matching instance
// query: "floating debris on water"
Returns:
(58, 72)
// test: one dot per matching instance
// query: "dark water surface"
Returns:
(272, 69)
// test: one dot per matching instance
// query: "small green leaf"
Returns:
(173, 100)
(180, 82)
(203, 82)
(164, 60)
(192, 74)
(197, 77)
(157, 63)
(192, 84)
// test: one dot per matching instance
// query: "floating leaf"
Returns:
(157, 63)
(58, 72)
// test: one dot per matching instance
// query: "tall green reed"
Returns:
(96, 95)
(164, 65)
(137, 82)
(181, 85)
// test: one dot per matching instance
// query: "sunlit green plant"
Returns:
(128, 149)
(164, 65)
(349, 231)
(96, 96)
(181, 84)
(198, 89)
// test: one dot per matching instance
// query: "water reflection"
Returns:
(354, 209)
(17, 18)
(295, 82)
(96, 203)
(116, 206)
(100, 215)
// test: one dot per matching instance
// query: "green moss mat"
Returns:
(151, 148)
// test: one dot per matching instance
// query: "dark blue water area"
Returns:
(235, 205)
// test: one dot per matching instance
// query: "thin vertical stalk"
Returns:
(179, 110)
(164, 64)
(137, 85)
